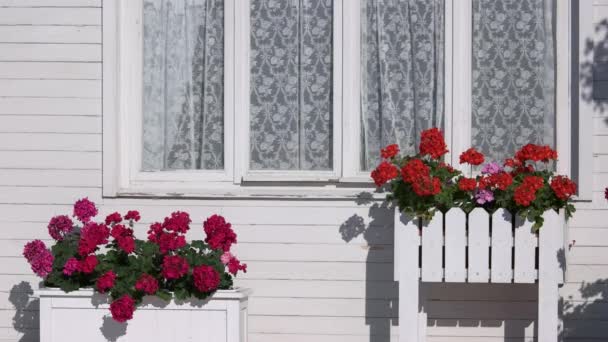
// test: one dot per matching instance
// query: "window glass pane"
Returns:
(291, 85)
(183, 80)
(513, 76)
(402, 81)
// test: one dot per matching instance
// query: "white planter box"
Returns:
(84, 316)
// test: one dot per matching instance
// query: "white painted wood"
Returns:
(51, 88)
(409, 241)
(50, 16)
(50, 70)
(525, 251)
(548, 295)
(50, 106)
(50, 52)
(455, 244)
(217, 319)
(49, 142)
(50, 34)
(502, 242)
(563, 74)
(479, 246)
(432, 249)
(50, 160)
(53, 3)
(48, 124)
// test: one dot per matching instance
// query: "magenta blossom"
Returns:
(606, 193)
(491, 169)
(60, 226)
(484, 196)
(84, 210)
(71, 266)
(39, 257)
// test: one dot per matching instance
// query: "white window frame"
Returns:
(122, 68)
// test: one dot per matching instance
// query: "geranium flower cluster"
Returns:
(108, 257)
(424, 183)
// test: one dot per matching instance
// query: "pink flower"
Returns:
(206, 278)
(91, 236)
(84, 210)
(71, 266)
(133, 215)
(174, 267)
(491, 169)
(147, 284)
(88, 264)
(39, 257)
(106, 281)
(122, 309)
(60, 226)
(225, 258)
(113, 218)
(234, 265)
(484, 196)
(219, 233)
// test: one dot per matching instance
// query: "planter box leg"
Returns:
(406, 247)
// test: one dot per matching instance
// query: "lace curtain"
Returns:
(291, 85)
(402, 73)
(513, 75)
(183, 80)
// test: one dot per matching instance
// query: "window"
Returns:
(233, 96)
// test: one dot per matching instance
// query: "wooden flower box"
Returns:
(83, 316)
(478, 248)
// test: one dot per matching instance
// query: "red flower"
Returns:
(133, 215)
(179, 222)
(500, 180)
(234, 265)
(413, 170)
(513, 163)
(219, 233)
(427, 186)
(389, 151)
(432, 143)
(122, 309)
(563, 187)
(166, 241)
(606, 193)
(471, 156)
(467, 184)
(206, 278)
(526, 192)
(147, 284)
(60, 226)
(91, 236)
(384, 173)
(39, 257)
(88, 264)
(106, 281)
(124, 238)
(536, 153)
(113, 218)
(448, 167)
(84, 210)
(174, 267)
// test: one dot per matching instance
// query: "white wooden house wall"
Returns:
(310, 283)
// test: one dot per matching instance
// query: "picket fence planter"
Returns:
(84, 316)
(478, 248)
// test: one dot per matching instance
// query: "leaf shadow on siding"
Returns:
(25, 320)
(587, 317)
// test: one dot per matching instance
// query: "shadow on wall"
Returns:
(25, 320)
(586, 317)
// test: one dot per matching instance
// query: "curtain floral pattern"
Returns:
(513, 75)
(291, 85)
(183, 72)
(402, 73)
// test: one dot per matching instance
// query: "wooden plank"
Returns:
(47, 3)
(49, 106)
(50, 34)
(50, 52)
(52, 178)
(50, 70)
(50, 16)
(408, 244)
(44, 195)
(50, 124)
(525, 251)
(479, 247)
(548, 294)
(432, 249)
(455, 242)
(49, 142)
(51, 88)
(502, 242)
(50, 160)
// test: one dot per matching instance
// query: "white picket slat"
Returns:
(502, 242)
(455, 249)
(525, 248)
(479, 249)
(409, 240)
(432, 249)
(548, 279)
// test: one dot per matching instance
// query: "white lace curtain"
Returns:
(183, 95)
(513, 75)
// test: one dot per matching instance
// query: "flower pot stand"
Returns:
(499, 247)
(84, 316)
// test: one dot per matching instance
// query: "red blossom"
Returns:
(166, 241)
(501, 180)
(471, 156)
(563, 187)
(384, 173)
(113, 218)
(122, 309)
(606, 193)
(206, 278)
(525, 193)
(234, 265)
(179, 222)
(467, 184)
(427, 186)
(133, 215)
(413, 170)
(174, 267)
(147, 284)
(60, 226)
(432, 143)
(536, 153)
(124, 238)
(70, 266)
(88, 264)
(106, 281)
(219, 233)
(84, 210)
(389, 151)
(445, 166)
(91, 236)
(39, 257)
